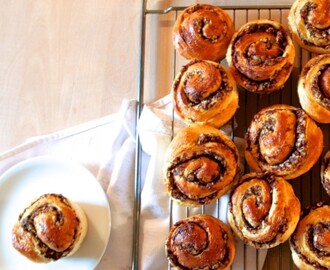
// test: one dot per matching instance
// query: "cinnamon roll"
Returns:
(310, 242)
(325, 172)
(200, 165)
(314, 88)
(309, 23)
(260, 56)
(202, 31)
(204, 92)
(50, 228)
(263, 210)
(283, 140)
(200, 242)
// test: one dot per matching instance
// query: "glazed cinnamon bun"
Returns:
(202, 31)
(314, 88)
(325, 172)
(309, 23)
(263, 210)
(50, 228)
(200, 165)
(310, 242)
(283, 140)
(260, 56)
(204, 92)
(200, 242)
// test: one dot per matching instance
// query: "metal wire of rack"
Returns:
(306, 187)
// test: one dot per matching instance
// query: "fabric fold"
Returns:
(157, 126)
(106, 147)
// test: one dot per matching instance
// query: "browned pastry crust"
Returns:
(204, 92)
(200, 165)
(263, 210)
(202, 31)
(325, 172)
(283, 140)
(49, 229)
(200, 242)
(260, 56)
(310, 242)
(309, 23)
(314, 88)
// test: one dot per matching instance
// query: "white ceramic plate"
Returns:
(31, 178)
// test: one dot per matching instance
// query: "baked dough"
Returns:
(283, 140)
(50, 228)
(263, 210)
(201, 164)
(309, 23)
(314, 88)
(261, 56)
(204, 92)
(200, 242)
(310, 242)
(202, 31)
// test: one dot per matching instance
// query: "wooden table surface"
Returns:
(63, 63)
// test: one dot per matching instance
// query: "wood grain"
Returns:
(63, 63)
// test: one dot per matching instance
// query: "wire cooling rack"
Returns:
(159, 63)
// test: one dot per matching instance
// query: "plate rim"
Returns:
(69, 163)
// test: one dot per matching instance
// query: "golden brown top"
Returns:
(204, 92)
(309, 21)
(315, 79)
(283, 140)
(311, 240)
(46, 229)
(200, 165)
(261, 55)
(203, 31)
(200, 242)
(263, 210)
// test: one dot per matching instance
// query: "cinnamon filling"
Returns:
(255, 203)
(193, 175)
(296, 152)
(211, 31)
(204, 171)
(204, 84)
(28, 225)
(192, 239)
(255, 207)
(317, 24)
(320, 85)
(258, 55)
(320, 237)
(325, 82)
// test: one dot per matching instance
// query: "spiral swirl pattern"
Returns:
(261, 56)
(310, 242)
(309, 23)
(314, 88)
(283, 140)
(204, 92)
(203, 32)
(263, 210)
(201, 164)
(48, 229)
(200, 242)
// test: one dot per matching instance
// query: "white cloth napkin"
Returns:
(106, 147)
(157, 124)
